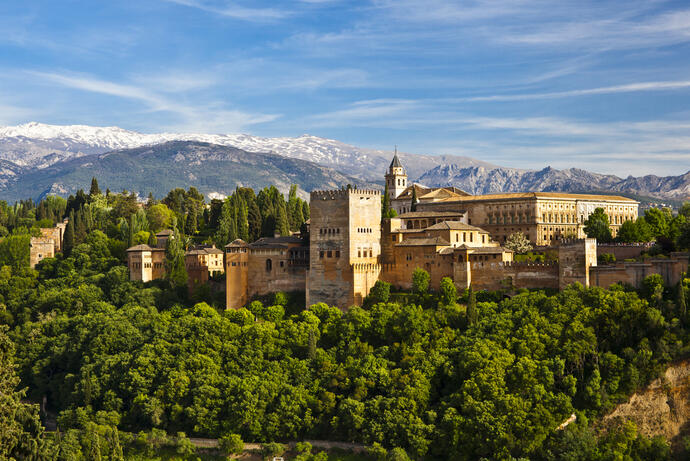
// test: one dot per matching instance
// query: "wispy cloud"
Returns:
(210, 116)
(629, 88)
(235, 11)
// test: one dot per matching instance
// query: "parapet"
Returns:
(336, 194)
(573, 241)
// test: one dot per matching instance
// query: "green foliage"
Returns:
(379, 293)
(448, 292)
(606, 258)
(20, 426)
(231, 444)
(597, 226)
(269, 450)
(175, 270)
(14, 251)
(420, 281)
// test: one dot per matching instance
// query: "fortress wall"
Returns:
(621, 252)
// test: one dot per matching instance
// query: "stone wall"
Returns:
(39, 249)
(633, 273)
(575, 258)
(622, 251)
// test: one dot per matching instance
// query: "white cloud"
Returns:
(232, 10)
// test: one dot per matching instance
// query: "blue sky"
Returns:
(601, 85)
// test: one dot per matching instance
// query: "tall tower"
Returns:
(396, 178)
(344, 246)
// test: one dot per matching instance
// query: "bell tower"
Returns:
(396, 178)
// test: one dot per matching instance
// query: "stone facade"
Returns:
(146, 263)
(633, 273)
(344, 247)
(47, 245)
(268, 265)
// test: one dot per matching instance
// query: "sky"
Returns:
(600, 85)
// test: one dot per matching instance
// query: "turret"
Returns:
(396, 177)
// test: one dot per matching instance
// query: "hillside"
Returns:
(662, 408)
(210, 168)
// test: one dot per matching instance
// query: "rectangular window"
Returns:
(321, 254)
(337, 253)
(330, 254)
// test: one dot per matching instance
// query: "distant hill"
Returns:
(482, 180)
(37, 145)
(40, 153)
(160, 168)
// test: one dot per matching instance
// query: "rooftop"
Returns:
(431, 241)
(538, 195)
(455, 225)
(431, 214)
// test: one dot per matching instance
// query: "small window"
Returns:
(269, 265)
(337, 253)
(330, 254)
(321, 254)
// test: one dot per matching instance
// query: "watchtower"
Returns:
(345, 246)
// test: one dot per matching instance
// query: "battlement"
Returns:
(336, 194)
(530, 264)
(361, 267)
(573, 241)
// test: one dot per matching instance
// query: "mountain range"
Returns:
(37, 159)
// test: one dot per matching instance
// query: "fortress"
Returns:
(450, 234)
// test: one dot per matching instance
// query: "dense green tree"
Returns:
(20, 425)
(175, 270)
(471, 312)
(420, 281)
(14, 251)
(597, 226)
(94, 190)
(414, 201)
(448, 292)
(68, 237)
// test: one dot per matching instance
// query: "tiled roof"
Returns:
(431, 214)
(142, 247)
(543, 195)
(432, 241)
(455, 225)
(395, 162)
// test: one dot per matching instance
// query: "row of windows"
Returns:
(363, 253)
(329, 230)
(510, 219)
(329, 254)
(241, 264)
(365, 230)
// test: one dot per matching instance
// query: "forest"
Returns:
(121, 367)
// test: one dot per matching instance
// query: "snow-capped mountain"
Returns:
(38, 145)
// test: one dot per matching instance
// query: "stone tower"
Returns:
(344, 247)
(396, 178)
(236, 274)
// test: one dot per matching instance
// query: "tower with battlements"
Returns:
(345, 246)
(396, 178)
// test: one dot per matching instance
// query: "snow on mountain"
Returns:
(38, 145)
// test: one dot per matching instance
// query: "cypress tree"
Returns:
(68, 237)
(386, 203)
(282, 226)
(95, 190)
(175, 270)
(305, 210)
(243, 221)
(132, 231)
(192, 224)
(471, 312)
(254, 220)
(413, 206)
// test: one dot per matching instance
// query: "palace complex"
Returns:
(447, 232)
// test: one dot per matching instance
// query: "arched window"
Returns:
(269, 265)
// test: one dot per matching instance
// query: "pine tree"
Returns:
(471, 312)
(95, 190)
(175, 270)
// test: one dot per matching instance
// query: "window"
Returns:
(330, 254)
(337, 253)
(392, 238)
(321, 254)
(269, 265)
